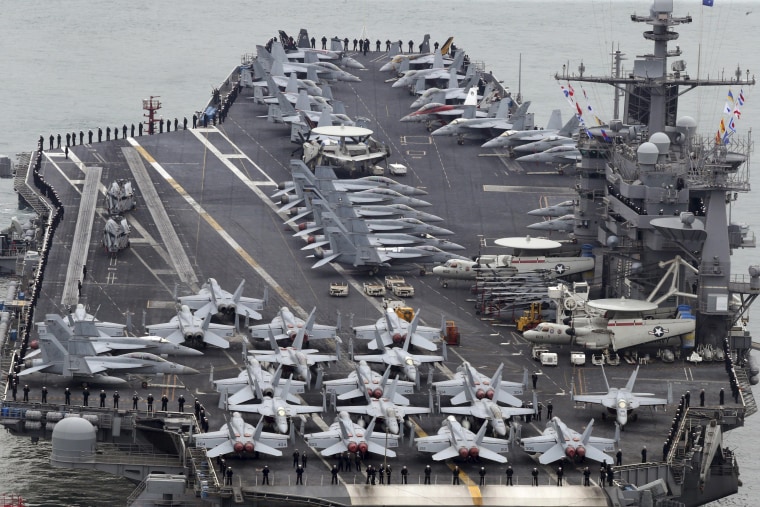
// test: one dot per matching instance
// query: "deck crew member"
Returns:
(549, 410)
(296, 456)
(44, 394)
(86, 397)
(181, 403)
(619, 458)
(26, 392)
(135, 399)
(102, 398)
(702, 398)
(304, 458)
(382, 474)
(560, 474)
(299, 475)
(388, 473)
(324, 42)
(334, 473)
(149, 399)
(482, 476)
(534, 473)
(67, 396)
(455, 475)
(116, 399)
(586, 477)
(602, 474)
(265, 474)
(644, 454)
(404, 471)
(510, 473)
(228, 474)
(427, 474)
(164, 403)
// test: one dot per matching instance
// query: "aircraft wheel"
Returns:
(144, 384)
(445, 284)
(460, 141)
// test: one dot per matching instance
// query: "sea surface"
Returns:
(79, 65)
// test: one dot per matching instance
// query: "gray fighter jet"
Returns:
(212, 299)
(189, 328)
(484, 128)
(453, 441)
(240, 438)
(400, 357)
(75, 358)
(513, 138)
(621, 401)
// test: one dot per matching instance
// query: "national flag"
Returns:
(708, 3)
(732, 125)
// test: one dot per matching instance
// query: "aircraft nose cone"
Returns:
(492, 143)
(191, 352)
(408, 118)
(186, 370)
(282, 427)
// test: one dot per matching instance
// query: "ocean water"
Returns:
(81, 65)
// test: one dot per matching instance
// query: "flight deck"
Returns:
(204, 211)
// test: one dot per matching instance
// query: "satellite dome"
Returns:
(73, 440)
(662, 141)
(648, 153)
(686, 122)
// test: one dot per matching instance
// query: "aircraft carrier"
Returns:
(205, 212)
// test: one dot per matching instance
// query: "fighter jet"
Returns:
(275, 407)
(437, 72)
(282, 81)
(287, 325)
(311, 55)
(555, 210)
(554, 128)
(189, 328)
(400, 357)
(344, 435)
(295, 356)
(239, 437)
(480, 128)
(564, 154)
(75, 358)
(364, 380)
(487, 409)
(483, 386)
(417, 58)
(622, 400)
(543, 145)
(454, 441)
(559, 442)
(386, 408)
(357, 250)
(394, 330)
(373, 211)
(615, 323)
(301, 113)
(212, 299)
(325, 70)
(304, 177)
(240, 389)
(327, 215)
(102, 343)
(104, 328)
(564, 223)
(453, 94)
(439, 114)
